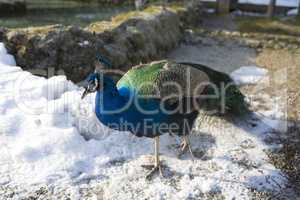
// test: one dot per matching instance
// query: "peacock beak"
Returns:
(86, 92)
(90, 87)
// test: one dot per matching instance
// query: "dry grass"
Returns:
(38, 30)
(101, 26)
(274, 26)
(154, 9)
(276, 60)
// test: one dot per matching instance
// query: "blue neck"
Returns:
(114, 105)
(109, 100)
(106, 100)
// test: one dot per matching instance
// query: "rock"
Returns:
(294, 46)
(192, 15)
(245, 35)
(241, 157)
(191, 38)
(247, 144)
(277, 46)
(2, 33)
(253, 43)
(271, 43)
(236, 34)
(203, 154)
(57, 48)
(281, 44)
(226, 33)
(259, 50)
(140, 38)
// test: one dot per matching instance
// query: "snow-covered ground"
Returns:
(50, 138)
(248, 75)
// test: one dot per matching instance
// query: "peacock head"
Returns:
(96, 82)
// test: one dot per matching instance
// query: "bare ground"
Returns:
(284, 82)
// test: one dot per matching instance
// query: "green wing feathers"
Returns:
(166, 79)
(141, 78)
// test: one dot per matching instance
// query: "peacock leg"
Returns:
(157, 165)
(185, 144)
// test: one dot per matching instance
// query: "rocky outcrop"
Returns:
(2, 33)
(127, 40)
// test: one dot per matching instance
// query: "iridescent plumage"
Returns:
(162, 93)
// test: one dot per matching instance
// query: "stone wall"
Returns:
(127, 40)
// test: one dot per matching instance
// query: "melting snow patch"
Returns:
(284, 3)
(293, 12)
(248, 75)
(287, 3)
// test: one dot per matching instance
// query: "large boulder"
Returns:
(67, 48)
(2, 33)
(127, 40)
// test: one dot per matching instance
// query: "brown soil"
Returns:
(286, 63)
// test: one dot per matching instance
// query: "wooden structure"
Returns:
(299, 8)
(225, 6)
(271, 8)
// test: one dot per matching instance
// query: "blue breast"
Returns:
(122, 110)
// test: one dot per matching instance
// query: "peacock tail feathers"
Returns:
(234, 100)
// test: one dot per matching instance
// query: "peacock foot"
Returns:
(184, 146)
(153, 170)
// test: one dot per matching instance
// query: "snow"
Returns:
(292, 12)
(4, 57)
(50, 138)
(248, 75)
(286, 3)
(250, 14)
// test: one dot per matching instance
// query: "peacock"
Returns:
(158, 98)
